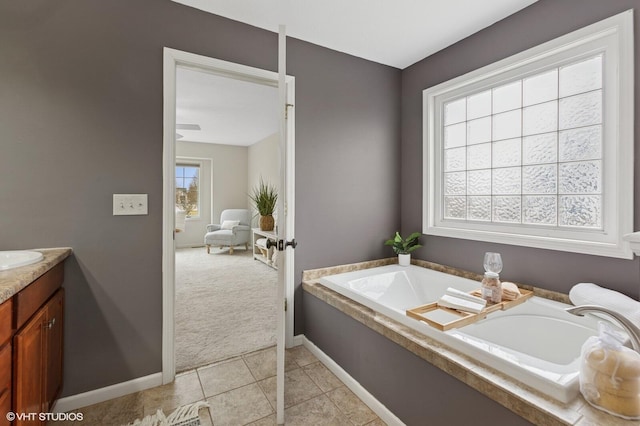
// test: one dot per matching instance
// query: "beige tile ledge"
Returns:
(513, 395)
(537, 291)
(313, 274)
(14, 280)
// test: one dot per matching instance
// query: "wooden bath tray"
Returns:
(444, 318)
(505, 304)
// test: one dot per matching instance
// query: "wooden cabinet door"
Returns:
(53, 334)
(6, 356)
(5, 383)
(38, 360)
(29, 366)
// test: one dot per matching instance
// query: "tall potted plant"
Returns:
(264, 197)
(404, 246)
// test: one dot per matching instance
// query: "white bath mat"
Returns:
(187, 415)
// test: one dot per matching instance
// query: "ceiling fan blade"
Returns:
(188, 127)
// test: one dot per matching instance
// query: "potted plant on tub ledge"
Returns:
(404, 246)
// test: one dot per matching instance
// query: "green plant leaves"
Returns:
(264, 196)
(404, 245)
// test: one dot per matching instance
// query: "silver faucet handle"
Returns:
(632, 330)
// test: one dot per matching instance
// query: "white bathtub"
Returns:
(536, 343)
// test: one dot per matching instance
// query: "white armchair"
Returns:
(233, 230)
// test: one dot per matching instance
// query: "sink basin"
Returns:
(14, 259)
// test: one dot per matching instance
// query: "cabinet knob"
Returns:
(49, 324)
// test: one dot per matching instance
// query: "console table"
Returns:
(263, 254)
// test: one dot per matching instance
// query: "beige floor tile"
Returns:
(322, 377)
(263, 363)
(236, 399)
(225, 376)
(298, 387)
(239, 406)
(265, 421)
(301, 355)
(351, 406)
(317, 411)
(185, 389)
(116, 412)
(376, 422)
(205, 417)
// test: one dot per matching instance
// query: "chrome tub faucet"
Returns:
(626, 324)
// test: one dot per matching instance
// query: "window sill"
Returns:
(608, 249)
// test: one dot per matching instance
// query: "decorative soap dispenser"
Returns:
(491, 287)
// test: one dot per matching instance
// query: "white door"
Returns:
(285, 291)
(286, 241)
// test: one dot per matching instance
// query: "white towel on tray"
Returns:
(592, 294)
(466, 296)
(460, 304)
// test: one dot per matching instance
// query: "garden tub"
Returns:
(536, 343)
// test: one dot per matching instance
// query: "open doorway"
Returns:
(185, 147)
(226, 143)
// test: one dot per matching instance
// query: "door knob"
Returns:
(293, 243)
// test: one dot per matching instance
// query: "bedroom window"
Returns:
(188, 189)
(537, 149)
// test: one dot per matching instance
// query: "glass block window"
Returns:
(528, 151)
(537, 149)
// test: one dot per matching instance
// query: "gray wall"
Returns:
(81, 119)
(347, 191)
(540, 22)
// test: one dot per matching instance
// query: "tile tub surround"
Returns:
(511, 394)
(14, 280)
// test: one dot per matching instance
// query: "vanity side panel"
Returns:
(414, 390)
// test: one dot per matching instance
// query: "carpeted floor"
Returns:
(225, 305)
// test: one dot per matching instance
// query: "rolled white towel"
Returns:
(460, 304)
(592, 294)
(466, 296)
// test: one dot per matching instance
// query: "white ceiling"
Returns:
(228, 111)
(391, 32)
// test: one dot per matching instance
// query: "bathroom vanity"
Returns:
(31, 336)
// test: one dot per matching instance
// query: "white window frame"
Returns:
(185, 162)
(614, 38)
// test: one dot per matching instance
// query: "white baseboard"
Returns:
(181, 246)
(298, 339)
(85, 399)
(383, 412)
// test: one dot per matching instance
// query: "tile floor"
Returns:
(242, 391)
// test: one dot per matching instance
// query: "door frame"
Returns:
(173, 58)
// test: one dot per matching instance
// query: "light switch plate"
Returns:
(130, 204)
